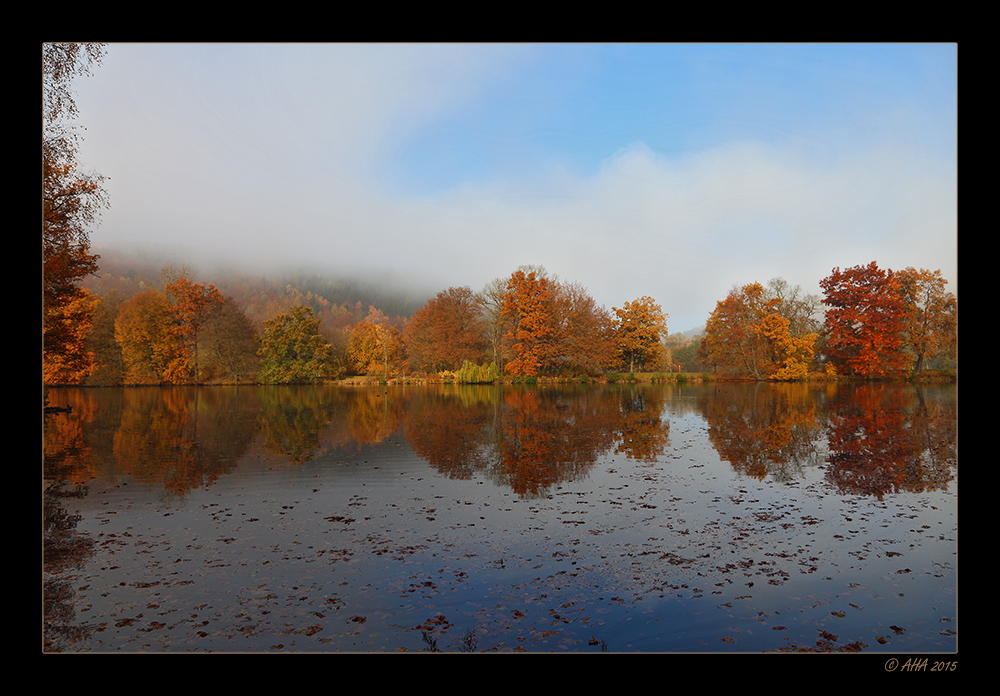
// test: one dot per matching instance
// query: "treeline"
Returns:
(179, 331)
(338, 302)
(870, 323)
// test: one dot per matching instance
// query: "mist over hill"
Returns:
(261, 292)
(339, 296)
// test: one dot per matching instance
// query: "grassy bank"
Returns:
(926, 377)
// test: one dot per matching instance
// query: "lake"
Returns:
(715, 518)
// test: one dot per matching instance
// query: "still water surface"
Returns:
(643, 518)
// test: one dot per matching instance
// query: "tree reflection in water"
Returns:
(883, 440)
(868, 440)
(877, 438)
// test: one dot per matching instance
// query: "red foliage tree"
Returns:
(446, 331)
(865, 321)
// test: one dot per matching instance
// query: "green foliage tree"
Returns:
(470, 373)
(292, 349)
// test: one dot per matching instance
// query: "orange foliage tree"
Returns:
(191, 307)
(446, 331)
(144, 332)
(750, 334)
(71, 203)
(73, 361)
(640, 326)
(732, 339)
(932, 316)
(527, 307)
(865, 321)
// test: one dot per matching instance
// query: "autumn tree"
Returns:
(375, 346)
(865, 321)
(527, 308)
(750, 333)
(585, 331)
(682, 353)
(802, 310)
(230, 343)
(292, 349)
(71, 205)
(639, 327)
(932, 315)
(144, 332)
(732, 340)
(447, 331)
(494, 322)
(75, 360)
(790, 356)
(101, 342)
(192, 303)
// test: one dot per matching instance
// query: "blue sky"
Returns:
(670, 170)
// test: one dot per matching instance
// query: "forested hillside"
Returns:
(338, 301)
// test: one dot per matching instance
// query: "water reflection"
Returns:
(874, 439)
(764, 429)
(63, 547)
(656, 528)
(884, 440)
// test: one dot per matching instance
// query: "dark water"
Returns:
(653, 518)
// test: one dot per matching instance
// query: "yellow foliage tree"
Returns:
(638, 331)
(789, 357)
(376, 349)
